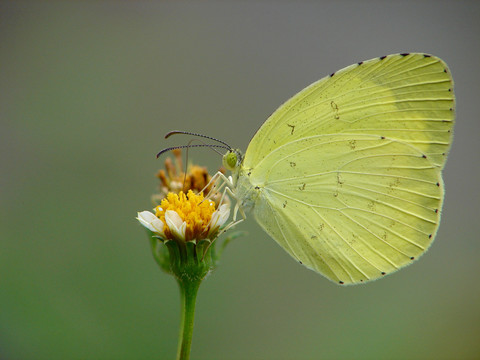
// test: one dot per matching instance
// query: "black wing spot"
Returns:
(451, 109)
(331, 75)
(334, 107)
(339, 179)
(361, 280)
(424, 156)
(438, 184)
(382, 137)
(341, 282)
(300, 263)
(405, 54)
(249, 173)
(449, 90)
(257, 187)
(382, 57)
(445, 70)
(360, 63)
(293, 128)
(430, 236)
(443, 154)
(427, 56)
(436, 211)
(412, 258)
(384, 273)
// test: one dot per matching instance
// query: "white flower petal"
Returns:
(173, 219)
(151, 222)
(175, 223)
(182, 231)
(224, 211)
(212, 225)
(219, 217)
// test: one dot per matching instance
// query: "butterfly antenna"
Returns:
(211, 146)
(175, 132)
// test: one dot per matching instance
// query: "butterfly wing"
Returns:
(347, 173)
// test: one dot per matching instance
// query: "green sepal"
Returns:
(160, 252)
(192, 260)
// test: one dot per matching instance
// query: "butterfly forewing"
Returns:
(403, 97)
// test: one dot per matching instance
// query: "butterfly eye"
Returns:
(230, 160)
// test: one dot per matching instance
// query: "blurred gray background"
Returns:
(87, 91)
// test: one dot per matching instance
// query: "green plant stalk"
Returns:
(190, 263)
(188, 294)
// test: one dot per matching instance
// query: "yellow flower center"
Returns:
(192, 208)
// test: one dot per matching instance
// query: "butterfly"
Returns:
(346, 175)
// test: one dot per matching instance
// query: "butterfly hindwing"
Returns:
(351, 214)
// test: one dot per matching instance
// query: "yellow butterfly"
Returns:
(346, 175)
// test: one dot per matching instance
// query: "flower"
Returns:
(185, 218)
(185, 224)
(182, 233)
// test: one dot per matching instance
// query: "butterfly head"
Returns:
(232, 159)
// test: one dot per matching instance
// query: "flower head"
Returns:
(185, 218)
(184, 225)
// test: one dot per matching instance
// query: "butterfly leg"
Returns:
(214, 180)
(228, 184)
(237, 209)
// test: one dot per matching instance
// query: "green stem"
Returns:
(188, 293)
